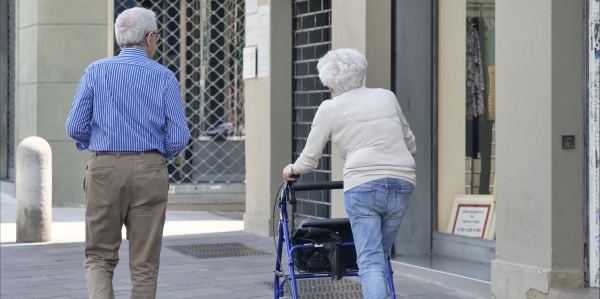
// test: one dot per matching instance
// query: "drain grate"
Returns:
(323, 288)
(217, 250)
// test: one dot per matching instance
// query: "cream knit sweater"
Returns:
(370, 133)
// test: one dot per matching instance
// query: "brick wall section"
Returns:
(312, 39)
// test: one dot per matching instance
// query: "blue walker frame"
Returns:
(286, 197)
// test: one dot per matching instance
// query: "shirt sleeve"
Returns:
(320, 132)
(177, 132)
(78, 123)
(409, 138)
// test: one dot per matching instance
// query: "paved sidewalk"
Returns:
(205, 255)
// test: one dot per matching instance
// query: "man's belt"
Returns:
(104, 153)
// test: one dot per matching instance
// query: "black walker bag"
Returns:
(331, 257)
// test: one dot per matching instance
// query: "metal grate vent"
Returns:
(323, 288)
(217, 250)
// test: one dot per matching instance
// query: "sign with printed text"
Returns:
(471, 220)
(263, 41)
(249, 63)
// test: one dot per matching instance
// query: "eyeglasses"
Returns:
(155, 34)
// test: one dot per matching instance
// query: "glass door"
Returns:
(465, 219)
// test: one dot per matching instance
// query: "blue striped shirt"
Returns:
(128, 103)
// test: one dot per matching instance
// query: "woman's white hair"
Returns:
(342, 70)
(133, 25)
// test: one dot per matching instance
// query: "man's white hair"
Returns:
(342, 70)
(133, 25)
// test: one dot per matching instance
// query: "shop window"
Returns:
(466, 154)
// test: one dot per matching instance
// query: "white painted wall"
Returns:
(451, 106)
(540, 186)
(56, 41)
(269, 124)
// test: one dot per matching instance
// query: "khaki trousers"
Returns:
(124, 189)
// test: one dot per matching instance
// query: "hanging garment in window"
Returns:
(475, 80)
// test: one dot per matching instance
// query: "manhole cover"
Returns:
(216, 250)
(322, 288)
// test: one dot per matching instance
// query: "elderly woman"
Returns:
(371, 133)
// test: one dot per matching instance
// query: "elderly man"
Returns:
(127, 111)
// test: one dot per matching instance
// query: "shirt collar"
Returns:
(133, 52)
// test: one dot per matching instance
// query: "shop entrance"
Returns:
(202, 43)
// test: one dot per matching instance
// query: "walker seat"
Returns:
(335, 224)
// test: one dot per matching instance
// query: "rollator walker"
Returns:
(294, 251)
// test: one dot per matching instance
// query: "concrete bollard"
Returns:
(33, 188)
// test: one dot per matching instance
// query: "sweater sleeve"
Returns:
(320, 132)
(409, 138)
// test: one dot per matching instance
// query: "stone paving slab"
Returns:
(55, 269)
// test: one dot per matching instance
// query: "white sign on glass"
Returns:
(472, 216)
(251, 33)
(263, 41)
(251, 6)
(249, 63)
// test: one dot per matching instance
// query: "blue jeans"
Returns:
(376, 209)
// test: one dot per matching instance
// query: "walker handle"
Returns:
(326, 185)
